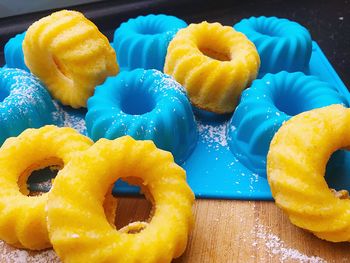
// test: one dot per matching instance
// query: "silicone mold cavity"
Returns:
(264, 107)
(24, 103)
(142, 42)
(147, 105)
(282, 44)
(13, 52)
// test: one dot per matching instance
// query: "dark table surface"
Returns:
(327, 21)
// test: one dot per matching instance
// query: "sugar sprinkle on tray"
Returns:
(213, 135)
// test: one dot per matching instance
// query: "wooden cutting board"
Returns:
(224, 232)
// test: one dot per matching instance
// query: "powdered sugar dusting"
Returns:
(9, 254)
(46, 185)
(213, 135)
(39, 188)
(275, 246)
(25, 90)
(70, 120)
(167, 82)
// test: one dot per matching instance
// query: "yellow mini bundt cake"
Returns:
(296, 165)
(214, 63)
(22, 217)
(70, 56)
(78, 227)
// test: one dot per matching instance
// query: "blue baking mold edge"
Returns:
(212, 169)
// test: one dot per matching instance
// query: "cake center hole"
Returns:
(128, 214)
(268, 31)
(215, 54)
(137, 102)
(148, 29)
(338, 173)
(37, 180)
(290, 102)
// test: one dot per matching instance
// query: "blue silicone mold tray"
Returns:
(214, 172)
(212, 169)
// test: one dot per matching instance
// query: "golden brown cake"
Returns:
(69, 55)
(22, 217)
(214, 63)
(296, 165)
(78, 227)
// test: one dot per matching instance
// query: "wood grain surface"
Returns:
(225, 231)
